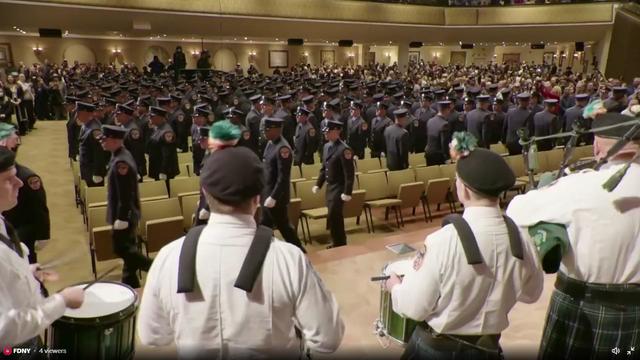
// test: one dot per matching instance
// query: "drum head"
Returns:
(102, 299)
(400, 267)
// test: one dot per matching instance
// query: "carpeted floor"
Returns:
(345, 270)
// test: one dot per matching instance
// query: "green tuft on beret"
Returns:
(6, 130)
(224, 130)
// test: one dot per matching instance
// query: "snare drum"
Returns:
(392, 324)
(102, 328)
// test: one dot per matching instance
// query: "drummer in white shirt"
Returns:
(595, 307)
(467, 282)
(24, 312)
(216, 319)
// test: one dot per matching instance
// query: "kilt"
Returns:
(587, 330)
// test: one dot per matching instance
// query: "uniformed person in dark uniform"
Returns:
(284, 112)
(618, 100)
(180, 123)
(506, 100)
(252, 121)
(235, 116)
(73, 129)
(574, 114)
(477, 120)
(329, 109)
(134, 140)
(515, 120)
(422, 114)
(163, 157)
(30, 217)
(309, 104)
(200, 116)
(338, 172)
(411, 123)
(123, 205)
(546, 123)
(267, 109)
(307, 139)
(494, 124)
(357, 130)
(397, 142)
(372, 109)
(438, 135)
(93, 160)
(378, 126)
(142, 113)
(277, 160)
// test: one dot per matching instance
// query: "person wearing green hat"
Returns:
(30, 217)
(470, 273)
(586, 227)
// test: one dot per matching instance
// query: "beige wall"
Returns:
(385, 54)
(139, 52)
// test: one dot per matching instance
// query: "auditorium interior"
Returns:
(577, 37)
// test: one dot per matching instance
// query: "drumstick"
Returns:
(382, 278)
(100, 277)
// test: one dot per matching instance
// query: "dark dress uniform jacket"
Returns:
(197, 152)
(357, 134)
(397, 141)
(252, 122)
(545, 123)
(73, 132)
(476, 125)
(493, 128)
(420, 137)
(181, 127)
(245, 139)
(514, 120)
(437, 136)
(30, 216)
(163, 158)
(134, 142)
(93, 159)
(123, 198)
(307, 141)
(378, 125)
(289, 124)
(337, 169)
(277, 160)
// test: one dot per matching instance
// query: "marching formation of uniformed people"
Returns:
(246, 134)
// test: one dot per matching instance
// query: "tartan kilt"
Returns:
(585, 330)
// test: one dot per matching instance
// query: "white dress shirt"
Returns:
(226, 321)
(24, 312)
(457, 298)
(604, 244)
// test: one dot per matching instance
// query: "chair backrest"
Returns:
(308, 199)
(375, 184)
(410, 193)
(427, 173)
(582, 152)
(183, 185)
(75, 170)
(96, 217)
(353, 208)
(554, 159)
(158, 209)
(437, 189)
(416, 160)
(366, 165)
(543, 161)
(153, 189)
(516, 163)
(184, 170)
(296, 173)
(397, 178)
(448, 171)
(189, 204)
(293, 210)
(310, 171)
(97, 194)
(185, 158)
(498, 148)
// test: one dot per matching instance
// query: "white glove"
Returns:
(120, 225)
(77, 157)
(97, 179)
(41, 244)
(270, 202)
(382, 154)
(203, 214)
(162, 176)
(315, 189)
(355, 157)
(139, 177)
(345, 197)
(179, 150)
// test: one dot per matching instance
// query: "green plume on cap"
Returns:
(463, 143)
(224, 130)
(6, 130)
(594, 108)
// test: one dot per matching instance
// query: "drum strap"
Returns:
(251, 266)
(470, 245)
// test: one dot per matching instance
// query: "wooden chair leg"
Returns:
(358, 220)
(429, 210)
(401, 217)
(386, 214)
(304, 235)
(424, 210)
(413, 213)
(371, 219)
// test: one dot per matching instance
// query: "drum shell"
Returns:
(396, 326)
(105, 337)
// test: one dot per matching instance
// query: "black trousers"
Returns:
(124, 245)
(434, 158)
(279, 216)
(29, 111)
(514, 148)
(335, 219)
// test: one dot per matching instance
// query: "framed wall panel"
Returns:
(327, 57)
(5, 55)
(278, 59)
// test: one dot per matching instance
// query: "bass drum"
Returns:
(102, 328)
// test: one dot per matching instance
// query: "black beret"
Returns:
(7, 159)
(83, 106)
(486, 172)
(232, 175)
(113, 132)
(609, 119)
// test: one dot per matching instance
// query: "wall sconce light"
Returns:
(387, 54)
(252, 52)
(116, 51)
(351, 55)
(37, 50)
(195, 53)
